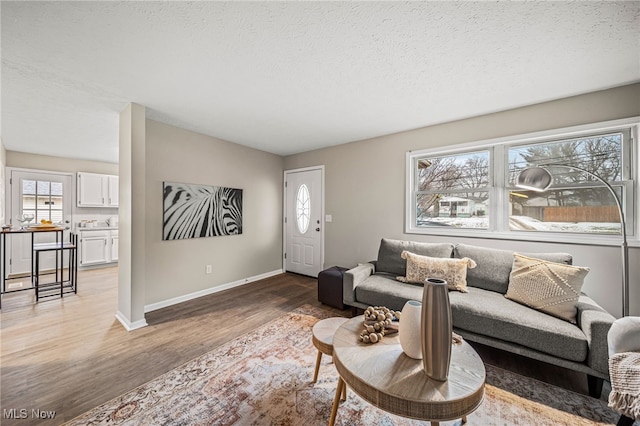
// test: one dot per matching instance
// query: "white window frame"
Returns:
(498, 191)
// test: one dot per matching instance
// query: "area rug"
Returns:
(264, 378)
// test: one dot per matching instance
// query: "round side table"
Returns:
(323, 332)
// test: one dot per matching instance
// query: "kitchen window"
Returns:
(43, 199)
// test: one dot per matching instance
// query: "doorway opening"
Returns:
(34, 197)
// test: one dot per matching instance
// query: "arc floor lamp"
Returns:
(539, 179)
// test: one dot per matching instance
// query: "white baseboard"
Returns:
(130, 326)
(195, 295)
(97, 266)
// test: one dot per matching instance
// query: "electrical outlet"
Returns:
(208, 269)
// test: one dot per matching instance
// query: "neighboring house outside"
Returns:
(460, 207)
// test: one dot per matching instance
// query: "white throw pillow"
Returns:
(453, 271)
(553, 288)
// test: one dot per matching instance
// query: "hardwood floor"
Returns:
(69, 355)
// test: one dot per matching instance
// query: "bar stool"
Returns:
(60, 283)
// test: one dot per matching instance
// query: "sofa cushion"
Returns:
(453, 271)
(550, 287)
(494, 265)
(389, 259)
(382, 289)
(491, 314)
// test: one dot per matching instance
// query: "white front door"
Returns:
(47, 196)
(303, 221)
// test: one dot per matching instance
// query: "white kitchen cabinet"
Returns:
(113, 191)
(114, 246)
(97, 190)
(93, 247)
(98, 247)
(90, 190)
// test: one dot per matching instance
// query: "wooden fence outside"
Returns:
(581, 214)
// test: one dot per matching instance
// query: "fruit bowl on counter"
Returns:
(45, 224)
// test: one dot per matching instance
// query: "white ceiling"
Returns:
(287, 77)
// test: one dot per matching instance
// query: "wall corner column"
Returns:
(132, 213)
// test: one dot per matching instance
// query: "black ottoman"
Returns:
(330, 286)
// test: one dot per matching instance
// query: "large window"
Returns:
(473, 190)
(576, 201)
(452, 190)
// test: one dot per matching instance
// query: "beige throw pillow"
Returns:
(453, 271)
(553, 288)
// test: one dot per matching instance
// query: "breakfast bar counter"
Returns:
(58, 246)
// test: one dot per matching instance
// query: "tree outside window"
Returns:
(452, 190)
(575, 202)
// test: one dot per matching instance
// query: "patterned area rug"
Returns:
(264, 378)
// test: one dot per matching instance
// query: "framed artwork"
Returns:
(194, 211)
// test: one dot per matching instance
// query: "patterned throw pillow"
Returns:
(553, 288)
(453, 271)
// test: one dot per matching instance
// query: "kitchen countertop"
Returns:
(96, 228)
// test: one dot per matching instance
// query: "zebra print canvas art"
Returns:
(194, 211)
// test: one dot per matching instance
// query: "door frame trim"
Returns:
(284, 212)
(8, 201)
(9, 187)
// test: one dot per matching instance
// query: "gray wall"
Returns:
(59, 164)
(177, 268)
(365, 185)
(3, 163)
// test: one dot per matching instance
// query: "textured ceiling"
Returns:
(288, 77)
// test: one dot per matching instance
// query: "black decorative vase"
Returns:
(436, 329)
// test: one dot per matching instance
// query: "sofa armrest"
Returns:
(595, 323)
(352, 278)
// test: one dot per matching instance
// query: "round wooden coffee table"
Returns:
(385, 377)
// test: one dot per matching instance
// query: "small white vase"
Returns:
(409, 329)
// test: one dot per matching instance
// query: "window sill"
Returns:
(542, 237)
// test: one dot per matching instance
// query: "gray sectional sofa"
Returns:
(483, 314)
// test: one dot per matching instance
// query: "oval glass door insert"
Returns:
(303, 208)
